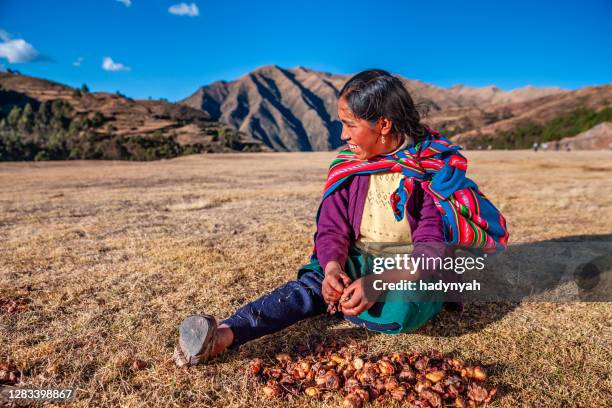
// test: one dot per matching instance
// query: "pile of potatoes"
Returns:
(420, 379)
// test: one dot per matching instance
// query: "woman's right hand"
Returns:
(334, 282)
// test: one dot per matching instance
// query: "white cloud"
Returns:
(16, 51)
(127, 3)
(78, 61)
(184, 9)
(109, 65)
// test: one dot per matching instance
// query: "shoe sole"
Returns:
(194, 334)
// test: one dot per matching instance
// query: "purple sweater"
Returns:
(340, 219)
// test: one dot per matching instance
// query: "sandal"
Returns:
(197, 335)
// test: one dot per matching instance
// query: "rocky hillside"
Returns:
(295, 109)
(598, 137)
(285, 109)
(552, 117)
(43, 119)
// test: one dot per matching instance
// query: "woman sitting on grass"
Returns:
(378, 119)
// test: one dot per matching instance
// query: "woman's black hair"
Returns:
(375, 93)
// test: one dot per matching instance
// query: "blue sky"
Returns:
(158, 53)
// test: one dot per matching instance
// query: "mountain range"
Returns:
(274, 108)
(295, 109)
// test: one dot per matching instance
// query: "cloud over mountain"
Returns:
(109, 65)
(184, 9)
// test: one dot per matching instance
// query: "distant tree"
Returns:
(76, 125)
(60, 114)
(57, 146)
(13, 116)
(84, 89)
(60, 109)
(43, 116)
(41, 155)
(26, 121)
(13, 147)
(74, 153)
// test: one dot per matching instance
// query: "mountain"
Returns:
(287, 110)
(548, 118)
(491, 95)
(598, 137)
(295, 109)
(82, 124)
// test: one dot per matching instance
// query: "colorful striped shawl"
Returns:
(470, 219)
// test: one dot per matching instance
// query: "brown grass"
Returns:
(114, 254)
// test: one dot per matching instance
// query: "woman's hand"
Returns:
(356, 301)
(334, 282)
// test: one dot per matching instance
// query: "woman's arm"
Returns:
(429, 226)
(428, 234)
(332, 243)
(334, 228)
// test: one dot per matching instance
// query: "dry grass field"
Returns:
(113, 255)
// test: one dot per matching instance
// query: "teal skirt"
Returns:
(408, 309)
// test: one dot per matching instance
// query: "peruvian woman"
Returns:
(360, 214)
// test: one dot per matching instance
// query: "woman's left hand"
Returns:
(357, 301)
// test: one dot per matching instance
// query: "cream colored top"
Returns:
(378, 224)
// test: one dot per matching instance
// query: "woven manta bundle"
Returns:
(470, 219)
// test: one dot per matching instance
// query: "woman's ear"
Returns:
(385, 126)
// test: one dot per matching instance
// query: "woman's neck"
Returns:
(396, 145)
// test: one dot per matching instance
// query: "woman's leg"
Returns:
(284, 306)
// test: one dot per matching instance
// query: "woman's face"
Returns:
(363, 138)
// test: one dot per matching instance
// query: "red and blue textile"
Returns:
(470, 219)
